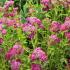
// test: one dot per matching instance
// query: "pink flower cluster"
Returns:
(15, 64)
(38, 53)
(67, 35)
(66, 25)
(54, 39)
(8, 4)
(31, 26)
(1, 41)
(35, 21)
(27, 27)
(55, 26)
(45, 2)
(17, 49)
(35, 67)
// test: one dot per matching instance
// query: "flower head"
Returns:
(4, 31)
(35, 67)
(45, 2)
(38, 53)
(1, 41)
(55, 26)
(35, 21)
(15, 65)
(54, 39)
(16, 50)
(8, 4)
(67, 35)
(27, 27)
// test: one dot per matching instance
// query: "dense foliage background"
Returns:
(34, 35)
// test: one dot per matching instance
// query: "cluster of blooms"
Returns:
(55, 26)
(38, 53)
(58, 27)
(35, 67)
(54, 39)
(8, 18)
(45, 3)
(31, 26)
(15, 64)
(16, 50)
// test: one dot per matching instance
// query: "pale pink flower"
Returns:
(10, 22)
(4, 31)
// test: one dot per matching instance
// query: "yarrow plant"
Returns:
(35, 35)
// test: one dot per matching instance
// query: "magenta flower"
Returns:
(12, 14)
(15, 65)
(45, 2)
(4, 31)
(1, 41)
(64, 27)
(67, 35)
(54, 39)
(31, 36)
(38, 53)
(35, 21)
(10, 54)
(8, 4)
(35, 67)
(16, 50)
(55, 26)
(27, 27)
